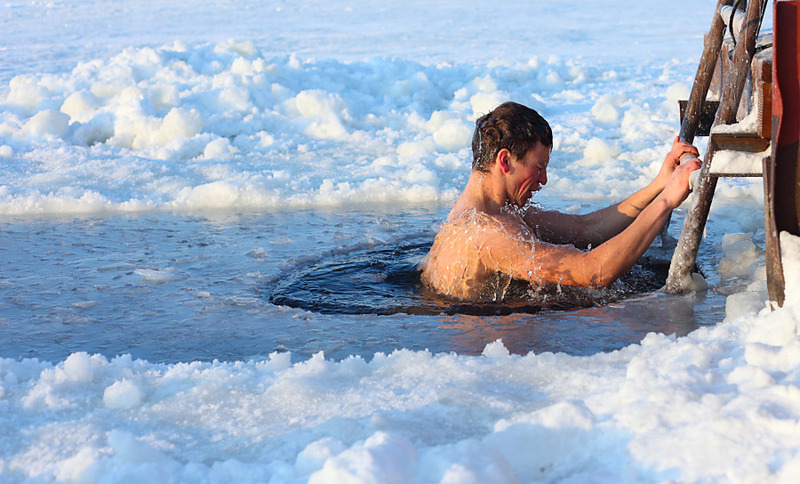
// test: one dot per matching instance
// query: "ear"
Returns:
(503, 160)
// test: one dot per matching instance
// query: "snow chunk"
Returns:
(47, 123)
(220, 149)
(483, 102)
(739, 254)
(749, 124)
(323, 111)
(790, 258)
(313, 457)
(97, 130)
(496, 351)
(159, 276)
(80, 106)
(675, 93)
(258, 253)
(78, 368)
(449, 133)
(381, 459)
(598, 152)
(606, 109)
(729, 161)
(27, 94)
(130, 450)
(122, 394)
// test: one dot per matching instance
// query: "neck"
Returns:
(484, 192)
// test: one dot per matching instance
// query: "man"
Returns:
(492, 236)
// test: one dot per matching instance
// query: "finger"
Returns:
(686, 167)
(687, 147)
(692, 149)
(692, 164)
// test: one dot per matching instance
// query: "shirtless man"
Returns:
(492, 235)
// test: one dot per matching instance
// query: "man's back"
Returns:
(461, 263)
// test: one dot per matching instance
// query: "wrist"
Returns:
(665, 204)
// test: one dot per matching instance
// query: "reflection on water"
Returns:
(385, 281)
(585, 331)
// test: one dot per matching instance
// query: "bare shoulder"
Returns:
(553, 226)
(463, 258)
(535, 215)
(479, 225)
(468, 234)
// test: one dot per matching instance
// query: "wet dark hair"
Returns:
(512, 126)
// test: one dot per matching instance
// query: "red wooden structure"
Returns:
(782, 173)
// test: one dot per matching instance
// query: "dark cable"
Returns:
(731, 28)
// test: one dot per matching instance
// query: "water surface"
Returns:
(176, 287)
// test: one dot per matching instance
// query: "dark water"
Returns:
(385, 280)
(231, 286)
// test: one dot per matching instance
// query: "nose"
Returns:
(543, 177)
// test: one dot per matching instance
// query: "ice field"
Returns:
(164, 165)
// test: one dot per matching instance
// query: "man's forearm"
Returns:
(617, 255)
(603, 224)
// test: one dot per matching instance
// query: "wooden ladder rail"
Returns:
(679, 279)
(705, 72)
(697, 98)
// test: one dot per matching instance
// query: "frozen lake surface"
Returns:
(174, 288)
(166, 166)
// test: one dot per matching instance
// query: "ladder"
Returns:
(761, 138)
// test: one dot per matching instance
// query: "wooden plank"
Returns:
(762, 92)
(775, 280)
(706, 117)
(746, 142)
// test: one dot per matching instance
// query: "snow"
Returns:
(748, 124)
(115, 108)
(735, 162)
(640, 414)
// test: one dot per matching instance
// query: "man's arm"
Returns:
(592, 229)
(544, 263)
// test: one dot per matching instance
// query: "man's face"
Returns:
(529, 174)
